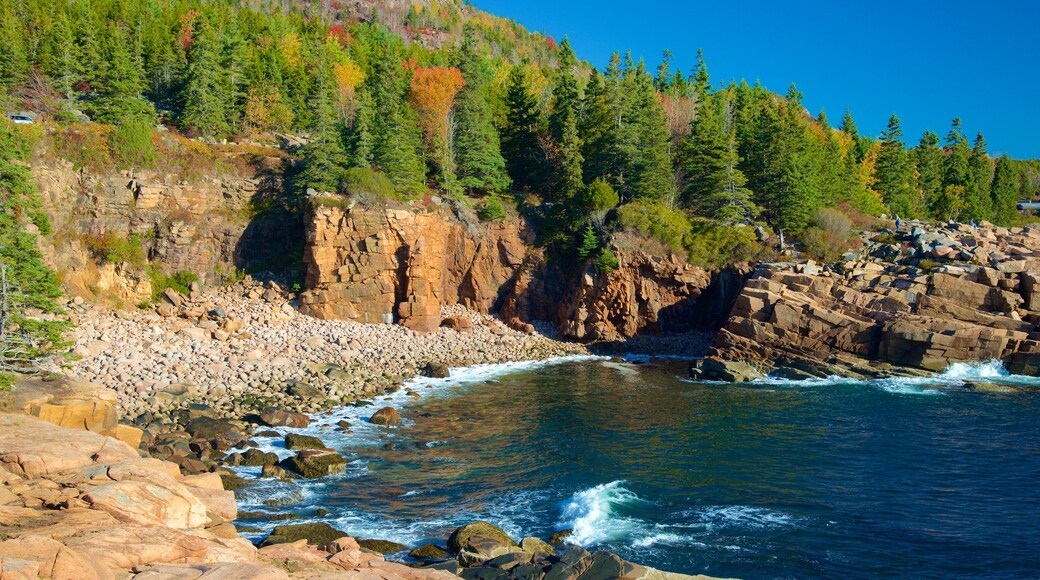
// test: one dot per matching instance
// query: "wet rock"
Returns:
(558, 538)
(436, 370)
(284, 418)
(295, 442)
(255, 458)
(428, 552)
(459, 539)
(382, 546)
(387, 416)
(536, 546)
(313, 463)
(317, 534)
(724, 370)
(305, 391)
(273, 471)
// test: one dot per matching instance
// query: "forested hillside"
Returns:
(398, 100)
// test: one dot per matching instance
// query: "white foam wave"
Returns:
(739, 516)
(591, 514)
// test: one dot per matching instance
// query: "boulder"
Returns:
(295, 442)
(316, 534)
(436, 370)
(314, 463)
(387, 416)
(459, 539)
(282, 418)
(536, 546)
(558, 538)
(429, 552)
(458, 323)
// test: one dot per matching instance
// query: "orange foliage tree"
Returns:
(432, 94)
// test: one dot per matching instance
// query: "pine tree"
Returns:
(977, 202)
(14, 58)
(589, 243)
(520, 146)
(894, 172)
(359, 134)
(848, 126)
(205, 108)
(398, 151)
(1004, 193)
(478, 155)
(703, 159)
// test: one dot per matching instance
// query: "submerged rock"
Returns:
(558, 538)
(387, 416)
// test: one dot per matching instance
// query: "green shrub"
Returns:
(607, 262)
(179, 281)
(368, 185)
(132, 144)
(655, 220)
(492, 210)
(7, 381)
(712, 245)
(115, 248)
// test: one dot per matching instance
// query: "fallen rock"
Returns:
(459, 539)
(295, 442)
(436, 370)
(283, 418)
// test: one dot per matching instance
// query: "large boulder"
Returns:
(282, 418)
(459, 539)
(382, 546)
(315, 463)
(387, 416)
(295, 442)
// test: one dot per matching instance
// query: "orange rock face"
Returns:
(402, 266)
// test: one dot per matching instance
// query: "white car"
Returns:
(21, 119)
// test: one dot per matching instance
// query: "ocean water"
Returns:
(825, 478)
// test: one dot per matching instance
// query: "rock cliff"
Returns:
(209, 225)
(382, 266)
(807, 320)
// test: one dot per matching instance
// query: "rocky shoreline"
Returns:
(196, 381)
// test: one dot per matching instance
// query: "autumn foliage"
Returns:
(432, 94)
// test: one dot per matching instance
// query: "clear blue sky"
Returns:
(927, 61)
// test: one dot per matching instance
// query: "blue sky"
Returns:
(926, 61)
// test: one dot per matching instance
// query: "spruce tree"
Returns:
(928, 158)
(652, 163)
(955, 169)
(1004, 193)
(894, 172)
(14, 58)
(520, 146)
(977, 202)
(205, 107)
(702, 158)
(359, 134)
(478, 156)
(324, 158)
(565, 92)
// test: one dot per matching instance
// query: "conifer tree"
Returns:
(565, 92)
(14, 58)
(520, 147)
(652, 163)
(928, 158)
(478, 155)
(205, 109)
(955, 169)
(359, 134)
(1004, 193)
(977, 202)
(894, 172)
(324, 157)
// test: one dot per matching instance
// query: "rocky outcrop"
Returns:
(383, 266)
(206, 224)
(847, 318)
(646, 294)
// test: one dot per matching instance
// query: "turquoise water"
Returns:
(776, 479)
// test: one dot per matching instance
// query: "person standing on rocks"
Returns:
(899, 222)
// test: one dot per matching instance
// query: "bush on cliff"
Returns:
(711, 245)
(829, 236)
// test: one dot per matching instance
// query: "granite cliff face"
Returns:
(382, 266)
(400, 265)
(862, 315)
(206, 225)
